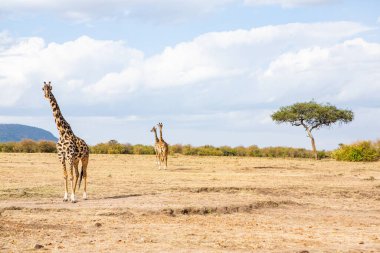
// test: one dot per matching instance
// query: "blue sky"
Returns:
(212, 71)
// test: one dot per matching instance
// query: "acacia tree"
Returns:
(312, 115)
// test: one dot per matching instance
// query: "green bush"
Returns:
(7, 147)
(111, 147)
(140, 149)
(227, 151)
(208, 150)
(47, 147)
(254, 151)
(28, 146)
(176, 149)
(363, 151)
(189, 150)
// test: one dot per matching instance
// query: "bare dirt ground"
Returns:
(200, 204)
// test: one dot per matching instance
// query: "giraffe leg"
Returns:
(157, 158)
(76, 174)
(71, 162)
(166, 162)
(65, 198)
(84, 172)
(159, 161)
(63, 162)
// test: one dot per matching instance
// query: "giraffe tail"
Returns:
(80, 178)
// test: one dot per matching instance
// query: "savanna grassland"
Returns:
(200, 204)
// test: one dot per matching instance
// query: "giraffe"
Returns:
(163, 147)
(70, 148)
(156, 146)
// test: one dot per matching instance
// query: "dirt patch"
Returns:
(231, 189)
(29, 192)
(226, 209)
(259, 168)
(115, 213)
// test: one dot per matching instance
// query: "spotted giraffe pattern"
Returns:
(163, 148)
(70, 148)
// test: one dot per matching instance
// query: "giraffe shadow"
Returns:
(123, 196)
(186, 168)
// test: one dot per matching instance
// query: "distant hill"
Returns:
(16, 132)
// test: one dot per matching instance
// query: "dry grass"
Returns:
(206, 204)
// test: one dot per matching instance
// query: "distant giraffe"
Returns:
(163, 147)
(156, 146)
(69, 147)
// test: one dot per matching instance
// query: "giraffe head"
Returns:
(153, 129)
(47, 89)
(160, 125)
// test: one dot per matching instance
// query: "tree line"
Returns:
(364, 151)
(114, 147)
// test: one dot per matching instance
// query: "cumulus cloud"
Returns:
(343, 72)
(287, 3)
(217, 57)
(28, 61)
(104, 70)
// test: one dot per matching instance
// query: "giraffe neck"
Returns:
(161, 134)
(62, 125)
(155, 135)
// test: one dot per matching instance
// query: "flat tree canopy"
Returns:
(312, 115)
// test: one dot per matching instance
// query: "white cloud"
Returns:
(344, 72)
(222, 56)
(71, 65)
(96, 70)
(287, 3)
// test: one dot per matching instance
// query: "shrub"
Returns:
(254, 151)
(228, 151)
(189, 150)
(208, 150)
(112, 147)
(101, 148)
(363, 151)
(140, 149)
(7, 147)
(176, 149)
(47, 147)
(26, 146)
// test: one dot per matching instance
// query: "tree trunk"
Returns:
(314, 148)
(312, 143)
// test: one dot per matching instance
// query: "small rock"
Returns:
(304, 251)
(361, 242)
(98, 224)
(38, 246)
